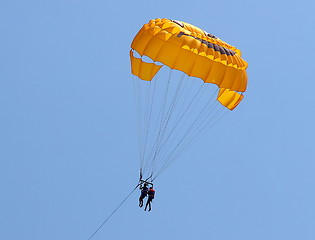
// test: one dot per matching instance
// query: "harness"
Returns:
(146, 181)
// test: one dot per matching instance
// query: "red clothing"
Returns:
(151, 193)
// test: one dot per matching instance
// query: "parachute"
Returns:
(185, 80)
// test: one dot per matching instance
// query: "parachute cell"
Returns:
(145, 71)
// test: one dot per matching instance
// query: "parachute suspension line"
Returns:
(161, 121)
(137, 95)
(163, 126)
(210, 123)
(188, 108)
(169, 112)
(144, 95)
(195, 131)
(220, 112)
(146, 88)
(182, 110)
(205, 115)
(186, 95)
(145, 117)
(179, 123)
(110, 215)
(186, 142)
(200, 117)
(165, 116)
(180, 138)
(165, 123)
(150, 101)
(150, 164)
(173, 105)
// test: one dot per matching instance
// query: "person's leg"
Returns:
(147, 204)
(140, 201)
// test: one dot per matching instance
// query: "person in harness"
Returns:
(144, 192)
(151, 194)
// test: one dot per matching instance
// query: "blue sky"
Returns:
(68, 149)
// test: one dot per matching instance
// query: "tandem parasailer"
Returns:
(185, 80)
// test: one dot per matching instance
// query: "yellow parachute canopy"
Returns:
(189, 49)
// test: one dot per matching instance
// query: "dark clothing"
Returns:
(151, 194)
(144, 192)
